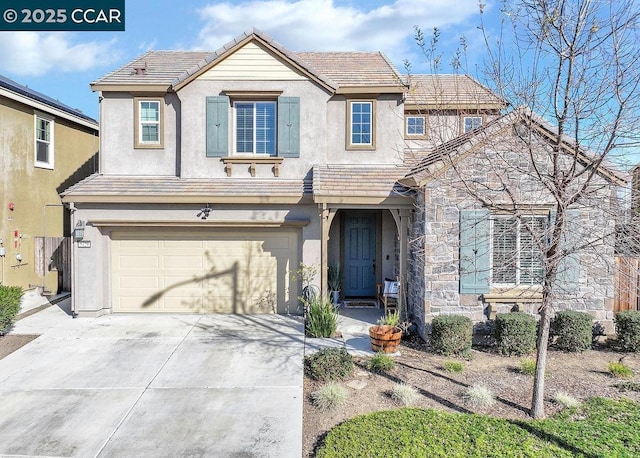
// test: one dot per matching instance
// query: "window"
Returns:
(415, 126)
(361, 124)
(255, 127)
(148, 123)
(43, 142)
(516, 258)
(470, 123)
(269, 126)
(502, 251)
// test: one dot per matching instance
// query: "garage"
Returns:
(204, 272)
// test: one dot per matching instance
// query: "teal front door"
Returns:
(359, 254)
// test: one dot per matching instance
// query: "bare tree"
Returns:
(572, 70)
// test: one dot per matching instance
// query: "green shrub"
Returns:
(381, 362)
(9, 306)
(329, 364)
(455, 367)
(619, 369)
(572, 331)
(515, 333)
(628, 330)
(451, 335)
(528, 366)
(329, 396)
(322, 319)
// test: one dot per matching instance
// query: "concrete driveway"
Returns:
(153, 386)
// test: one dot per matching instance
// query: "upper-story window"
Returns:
(44, 141)
(255, 127)
(252, 123)
(470, 123)
(361, 124)
(415, 126)
(148, 123)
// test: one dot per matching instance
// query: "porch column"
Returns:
(401, 218)
(404, 248)
(327, 217)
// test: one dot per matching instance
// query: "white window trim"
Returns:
(467, 117)
(349, 127)
(517, 284)
(138, 142)
(235, 130)
(51, 162)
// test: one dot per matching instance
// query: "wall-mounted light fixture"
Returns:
(78, 231)
(204, 212)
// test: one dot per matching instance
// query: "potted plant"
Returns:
(334, 279)
(385, 336)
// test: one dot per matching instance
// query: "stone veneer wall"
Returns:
(434, 286)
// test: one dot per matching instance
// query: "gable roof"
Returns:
(172, 70)
(482, 136)
(450, 91)
(152, 69)
(356, 69)
(38, 100)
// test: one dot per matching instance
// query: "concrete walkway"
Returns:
(153, 386)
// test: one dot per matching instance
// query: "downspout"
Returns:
(74, 263)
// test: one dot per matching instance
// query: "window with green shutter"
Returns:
(258, 127)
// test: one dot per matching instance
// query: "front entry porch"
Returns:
(369, 246)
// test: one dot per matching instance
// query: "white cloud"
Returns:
(322, 25)
(37, 53)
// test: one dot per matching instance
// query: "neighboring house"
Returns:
(45, 146)
(220, 173)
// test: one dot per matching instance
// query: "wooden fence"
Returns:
(54, 254)
(627, 286)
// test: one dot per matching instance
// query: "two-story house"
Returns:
(220, 173)
(45, 146)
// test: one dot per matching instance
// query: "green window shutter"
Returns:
(217, 126)
(289, 126)
(568, 275)
(475, 247)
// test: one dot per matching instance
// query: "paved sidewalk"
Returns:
(153, 386)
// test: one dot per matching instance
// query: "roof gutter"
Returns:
(48, 109)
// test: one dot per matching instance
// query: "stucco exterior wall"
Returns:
(33, 191)
(119, 156)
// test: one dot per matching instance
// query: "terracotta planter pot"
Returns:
(385, 338)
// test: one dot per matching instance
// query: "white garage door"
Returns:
(241, 272)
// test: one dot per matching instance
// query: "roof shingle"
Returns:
(438, 91)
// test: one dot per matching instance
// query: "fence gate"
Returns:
(627, 286)
(54, 254)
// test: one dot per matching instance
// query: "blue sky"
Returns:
(62, 65)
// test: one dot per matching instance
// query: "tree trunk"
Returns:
(537, 404)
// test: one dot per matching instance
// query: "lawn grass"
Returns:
(599, 427)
